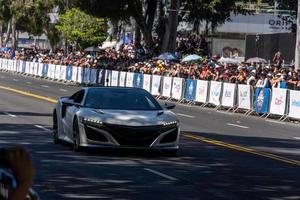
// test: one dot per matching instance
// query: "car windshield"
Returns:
(121, 99)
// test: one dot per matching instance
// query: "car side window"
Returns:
(78, 97)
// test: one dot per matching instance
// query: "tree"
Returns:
(213, 12)
(82, 29)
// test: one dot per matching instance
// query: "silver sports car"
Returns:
(115, 117)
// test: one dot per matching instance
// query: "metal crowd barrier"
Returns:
(227, 96)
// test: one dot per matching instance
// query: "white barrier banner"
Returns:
(31, 72)
(93, 76)
(228, 95)
(201, 91)
(87, 73)
(129, 79)
(114, 78)
(80, 74)
(1, 63)
(40, 72)
(244, 97)
(177, 88)
(122, 79)
(215, 92)
(63, 72)
(74, 74)
(294, 103)
(107, 80)
(8, 65)
(167, 86)
(20, 66)
(278, 101)
(35, 68)
(57, 72)
(27, 68)
(155, 86)
(51, 71)
(11, 65)
(147, 82)
(15, 65)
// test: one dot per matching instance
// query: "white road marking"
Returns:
(45, 86)
(184, 115)
(11, 115)
(29, 83)
(16, 80)
(161, 174)
(63, 90)
(236, 125)
(43, 128)
(297, 138)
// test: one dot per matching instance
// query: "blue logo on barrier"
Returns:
(262, 100)
(296, 103)
(69, 73)
(45, 70)
(138, 80)
(190, 90)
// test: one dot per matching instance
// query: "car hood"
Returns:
(130, 117)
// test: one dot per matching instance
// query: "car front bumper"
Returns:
(125, 137)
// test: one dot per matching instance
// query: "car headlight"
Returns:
(89, 121)
(170, 123)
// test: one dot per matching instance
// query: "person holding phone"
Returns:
(19, 161)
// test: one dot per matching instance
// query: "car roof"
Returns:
(114, 88)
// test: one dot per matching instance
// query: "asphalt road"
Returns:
(222, 156)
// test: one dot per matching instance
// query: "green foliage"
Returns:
(82, 29)
(215, 12)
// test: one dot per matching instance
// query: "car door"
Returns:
(70, 111)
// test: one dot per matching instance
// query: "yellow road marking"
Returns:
(28, 94)
(188, 135)
(243, 149)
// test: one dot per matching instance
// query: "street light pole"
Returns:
(297, 51)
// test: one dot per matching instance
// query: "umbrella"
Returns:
(256, 60)
(93, 49)
(228, 60)
(167, 56)
(191, 58)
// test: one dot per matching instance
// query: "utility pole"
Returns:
(297, 51)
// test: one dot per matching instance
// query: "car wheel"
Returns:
(55, 129)
(76, 136)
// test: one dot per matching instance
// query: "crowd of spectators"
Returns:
(128, 58)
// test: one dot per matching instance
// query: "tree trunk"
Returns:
(137, 36)
(8, 32)
(196, 26)
(14, 37)
(169, 44)
(137, 14)
(1, 35)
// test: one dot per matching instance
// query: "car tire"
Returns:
(76, 136)
(55, 129)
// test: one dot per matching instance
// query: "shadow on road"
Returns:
(26, 114)
(203, 171)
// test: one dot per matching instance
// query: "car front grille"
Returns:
(142, 136)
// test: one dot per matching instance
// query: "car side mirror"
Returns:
(70, 103)
(169, 106)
